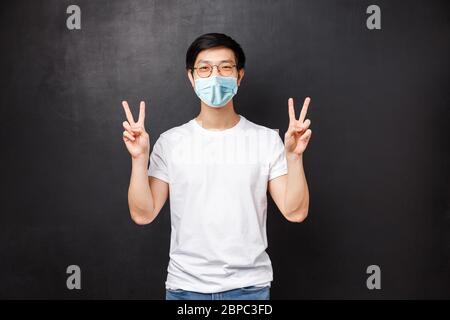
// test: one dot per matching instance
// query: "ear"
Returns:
(240, 76)
(191, 77)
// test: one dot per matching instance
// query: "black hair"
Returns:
(213, 40)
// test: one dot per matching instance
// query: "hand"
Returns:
(297, 136)
(135, 137)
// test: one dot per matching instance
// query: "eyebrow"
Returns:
(229, 60)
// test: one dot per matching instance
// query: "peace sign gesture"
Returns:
(297, 136)
(135, 137)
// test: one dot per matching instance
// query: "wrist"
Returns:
(294, 157)
(140, 160)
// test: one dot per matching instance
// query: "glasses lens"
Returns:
(204, 70)
(226, 69)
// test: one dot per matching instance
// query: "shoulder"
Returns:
(174, 134)
(270, 133)
(268, 139)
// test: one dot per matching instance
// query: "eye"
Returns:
(226, 67)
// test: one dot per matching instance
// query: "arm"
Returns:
(290, 192)
(146, 195)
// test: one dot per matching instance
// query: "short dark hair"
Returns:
(213, 40)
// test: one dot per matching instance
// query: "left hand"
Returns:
(298, 135)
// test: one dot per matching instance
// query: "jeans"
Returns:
(245, 293)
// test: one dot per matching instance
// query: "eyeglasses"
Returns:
(204, 70)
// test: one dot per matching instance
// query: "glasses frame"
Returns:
(212, 69)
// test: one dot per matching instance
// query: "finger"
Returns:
(289, 136)
(128, 112)
(141, 113)
(291, 110)
(306, 135)
(137, 129)
(127, 127)
(291, 132)
(304, 126)
(127, 135)
(304, 109)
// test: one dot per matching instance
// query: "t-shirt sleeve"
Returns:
(278, 163)
(158, 161)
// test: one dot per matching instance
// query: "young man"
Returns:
(216, 170)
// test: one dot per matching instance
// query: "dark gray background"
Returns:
(377, 164)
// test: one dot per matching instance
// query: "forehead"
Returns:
(215, 55)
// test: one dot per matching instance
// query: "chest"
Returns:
(228, 162)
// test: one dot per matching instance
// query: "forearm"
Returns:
(140, 198)
(297, 194)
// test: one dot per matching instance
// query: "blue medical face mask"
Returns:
(216, 91)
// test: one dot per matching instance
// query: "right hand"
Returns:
(135, 137)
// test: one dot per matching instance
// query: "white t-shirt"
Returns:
(218, 203)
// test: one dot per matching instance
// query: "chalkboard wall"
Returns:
(377, 164)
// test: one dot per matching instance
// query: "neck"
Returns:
(218, 118)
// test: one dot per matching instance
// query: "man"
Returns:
(216, 169)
